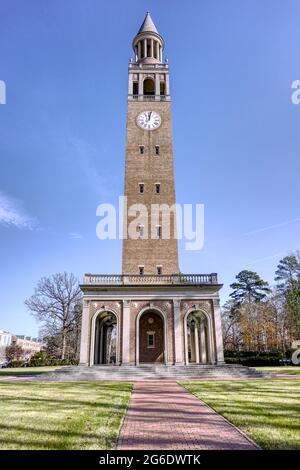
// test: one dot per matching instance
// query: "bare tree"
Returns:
(14, 352)
(55, 304)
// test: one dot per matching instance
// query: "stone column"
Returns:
(151, 48)
(139, 50)
(167, 91)
(84, 342)
(178, 333)
(125, 331)
(101, 346)
(141, 76)
(157, 86)
(157, 50)
(197, 345)
(192, 339)
(218, 332)
(203, 343)
(130, 84)
(145, 47)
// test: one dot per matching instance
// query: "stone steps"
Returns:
(153, 372)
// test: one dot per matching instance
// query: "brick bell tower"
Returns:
(151, 313)
(149, 171)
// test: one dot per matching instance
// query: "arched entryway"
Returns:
(151, 337)
(105, 339)
(198, 344)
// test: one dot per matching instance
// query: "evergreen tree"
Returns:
(288, 277)
(249, 288)
(288, 272)
(292, 307)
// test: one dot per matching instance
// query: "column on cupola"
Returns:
(139, 51)
(151, 48)
(167, 87)
(157, 50)
(141, 91)
(130, 84)
(145, 47)
(157, 86)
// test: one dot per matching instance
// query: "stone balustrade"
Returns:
(149, 279)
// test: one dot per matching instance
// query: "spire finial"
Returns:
(148, 25)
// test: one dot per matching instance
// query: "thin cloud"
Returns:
(13, 215)
(75, 236)
(280, 254)
(254, 232)
(271, 227)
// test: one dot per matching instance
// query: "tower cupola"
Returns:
(148, 44)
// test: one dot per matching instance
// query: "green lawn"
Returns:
(65, 415)
(267, 410)
(290, 370)
(24, 371)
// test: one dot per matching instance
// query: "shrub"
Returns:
(43, 359)
(17, 364)
(254, 358)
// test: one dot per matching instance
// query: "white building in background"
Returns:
(29, 345)
(5, 340)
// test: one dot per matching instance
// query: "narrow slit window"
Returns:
(158, 270)
(158, 231)
(157, 188)
(142, 149)
(141, 188)
(135, 88)
(141, 270)
(150, 339)
(156, 149)
(141, 230)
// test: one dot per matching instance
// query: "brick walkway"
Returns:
(163, 415)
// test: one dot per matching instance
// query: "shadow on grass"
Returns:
(267, 410)
(19, 373)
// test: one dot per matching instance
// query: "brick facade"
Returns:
(150, 169)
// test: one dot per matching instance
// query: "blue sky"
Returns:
(62, 134)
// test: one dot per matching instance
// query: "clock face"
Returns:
(149, 120)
